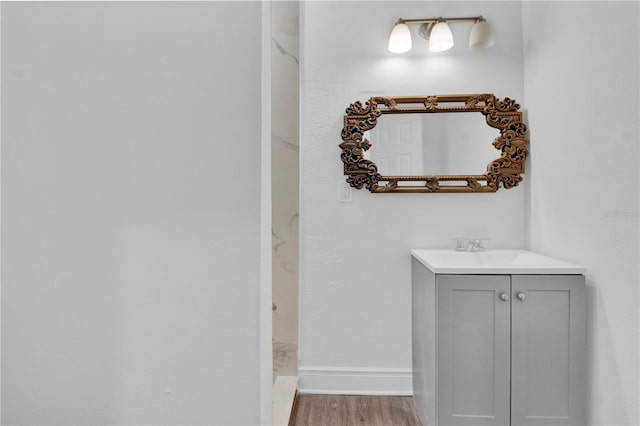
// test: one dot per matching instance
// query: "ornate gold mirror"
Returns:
(420, 149)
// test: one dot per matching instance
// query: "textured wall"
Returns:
(581, 89)
(355, 266)
(130, 235)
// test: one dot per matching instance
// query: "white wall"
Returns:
(581, 92)
(355, 267)
(131, 213)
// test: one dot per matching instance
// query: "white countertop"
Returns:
(449, 261)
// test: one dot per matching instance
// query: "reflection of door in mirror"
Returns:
(431, 144)
(398, 145)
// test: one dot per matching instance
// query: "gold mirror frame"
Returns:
(503, 115)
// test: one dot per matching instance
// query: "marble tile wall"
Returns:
(284, 124)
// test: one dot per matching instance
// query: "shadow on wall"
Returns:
(601, 339)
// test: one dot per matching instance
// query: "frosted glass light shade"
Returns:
(400, 39)
(481, 36)
(441, 38)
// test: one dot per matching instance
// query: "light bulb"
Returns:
(440, 38)
(400, 39)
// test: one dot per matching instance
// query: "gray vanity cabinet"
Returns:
(548, 350)
(498, 349)
(473, 350)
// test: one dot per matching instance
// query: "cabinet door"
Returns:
(548, 350)
(473, 349)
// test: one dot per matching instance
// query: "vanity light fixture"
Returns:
(400, 39)
(438, 34)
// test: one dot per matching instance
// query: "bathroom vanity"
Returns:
(498, 338)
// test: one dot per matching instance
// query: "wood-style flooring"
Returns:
(348, 410)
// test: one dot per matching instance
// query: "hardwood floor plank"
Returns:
(354, 410)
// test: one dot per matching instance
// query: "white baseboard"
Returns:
(355, 381)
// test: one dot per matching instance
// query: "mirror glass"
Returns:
(431, 144)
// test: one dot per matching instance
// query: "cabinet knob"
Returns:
(504, 297)
(521, 296)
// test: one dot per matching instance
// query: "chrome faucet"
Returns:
(473, 245)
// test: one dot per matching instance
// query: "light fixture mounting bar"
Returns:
(433, 20)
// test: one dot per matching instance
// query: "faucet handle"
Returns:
(461, 243)
(478, 243)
